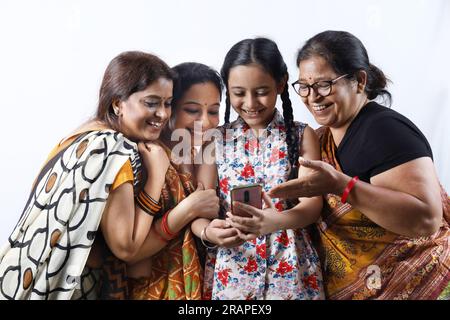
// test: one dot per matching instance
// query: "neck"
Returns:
(259, 130)
(339, 132)
(165, 138)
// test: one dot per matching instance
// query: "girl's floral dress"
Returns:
(280, 265)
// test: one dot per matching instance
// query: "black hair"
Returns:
(346, 54)
(188, 74)
(265, 53)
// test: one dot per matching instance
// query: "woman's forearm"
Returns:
(198, 225)
(395, 211)
(156, 239)
(151, 246)
(142, 221)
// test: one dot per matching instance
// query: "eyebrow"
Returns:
(317, 79)
(199, 104)
(152, 96)
(192, 102)
(261, 87)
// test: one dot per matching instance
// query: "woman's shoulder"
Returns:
(375, 113)
(378, 119)
(89, 126)
(94, 136)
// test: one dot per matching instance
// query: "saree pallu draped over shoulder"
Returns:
(365, 261)
(46, 254)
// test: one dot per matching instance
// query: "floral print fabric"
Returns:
(280, 265)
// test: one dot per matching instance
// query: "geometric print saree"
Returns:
(45, 255)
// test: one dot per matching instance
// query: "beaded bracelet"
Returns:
(348, 188)
(203, 239)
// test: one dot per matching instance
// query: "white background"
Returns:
(53, 55)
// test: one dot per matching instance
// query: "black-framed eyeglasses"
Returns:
(322, 88)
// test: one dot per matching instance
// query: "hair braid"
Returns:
(291, 132)
(227, 107)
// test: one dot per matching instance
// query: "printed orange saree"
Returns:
(365, 261)
(176, 270)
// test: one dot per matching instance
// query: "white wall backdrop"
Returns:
(53, 54)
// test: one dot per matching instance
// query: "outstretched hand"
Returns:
(320, 179)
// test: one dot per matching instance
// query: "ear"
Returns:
(117, 107)
(282, 84)
(361, 77)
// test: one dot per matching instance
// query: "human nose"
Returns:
(313, 94)
(250, 101)
(162, 112)
(206, 123)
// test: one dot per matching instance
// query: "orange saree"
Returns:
(176, 272)
(365, 261)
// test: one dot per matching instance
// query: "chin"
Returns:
(151, 137)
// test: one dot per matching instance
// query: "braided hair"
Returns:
(265, 53)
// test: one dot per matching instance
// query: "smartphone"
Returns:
(249, 194)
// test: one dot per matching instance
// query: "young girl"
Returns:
(276, 261)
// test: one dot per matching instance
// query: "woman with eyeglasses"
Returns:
(384, 231)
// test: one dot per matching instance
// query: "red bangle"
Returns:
(165, 226)
(348, 188)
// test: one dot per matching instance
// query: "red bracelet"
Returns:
(348, 188)
(165, 226)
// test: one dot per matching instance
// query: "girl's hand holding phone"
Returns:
(252, 222)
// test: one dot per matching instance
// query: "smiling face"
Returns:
(199, 105)
(340, 107)
(253, 94)
(143, 115)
